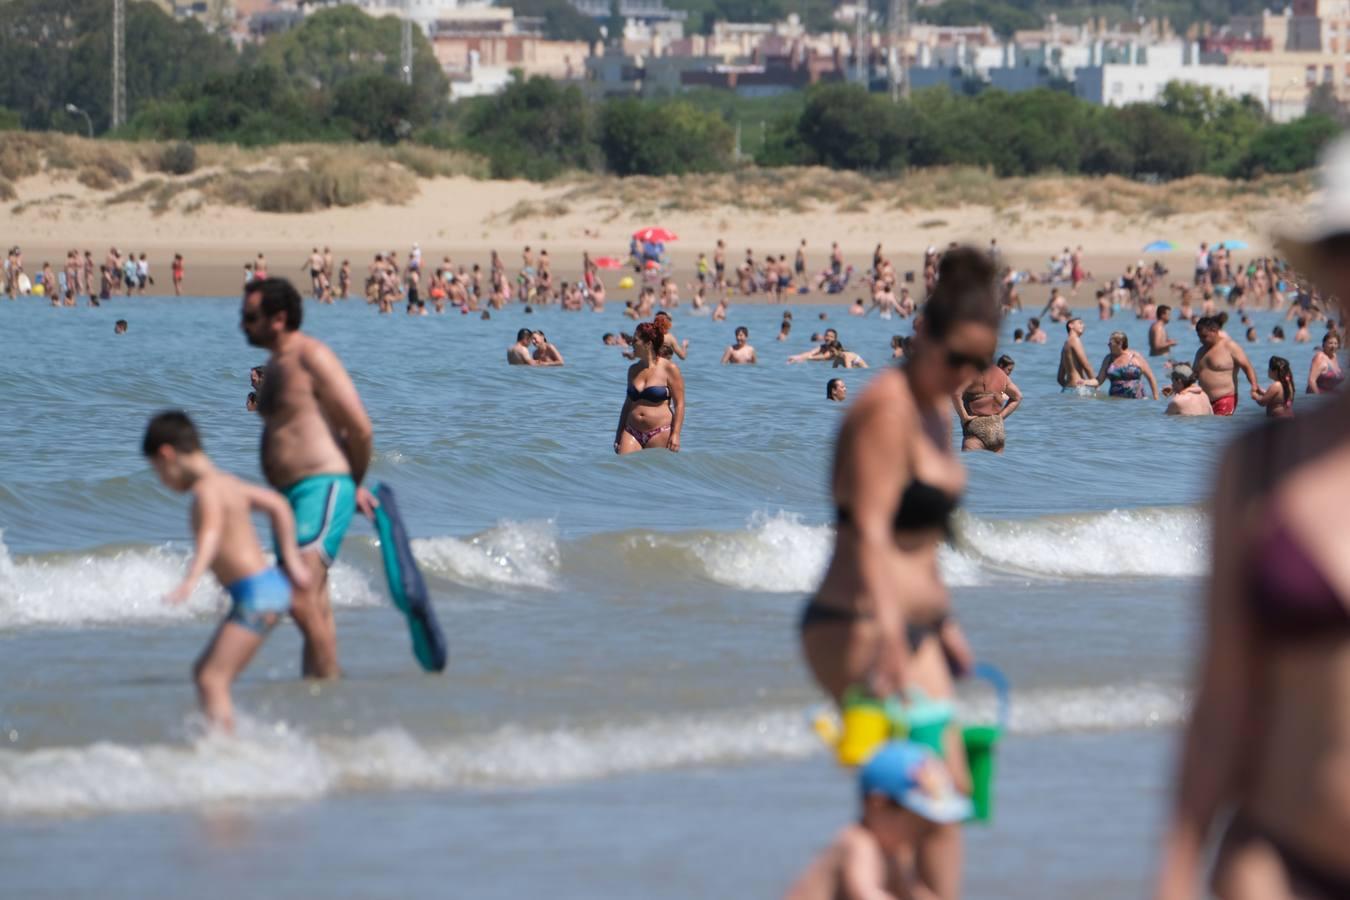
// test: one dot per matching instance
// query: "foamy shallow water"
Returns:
(609, 619)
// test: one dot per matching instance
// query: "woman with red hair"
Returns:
(653, 411)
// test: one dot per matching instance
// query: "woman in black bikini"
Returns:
(1269, 738)
(881, 615)
(653, 411)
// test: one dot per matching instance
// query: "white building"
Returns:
(1118, 85)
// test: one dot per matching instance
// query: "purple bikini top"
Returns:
(1289, 594)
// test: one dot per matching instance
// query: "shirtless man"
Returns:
(1158, 342)
(1217, 362)
(1057, 308)
(740, 353)
(1075, 370)
(1035, 334)
(315, 266)
(316, 448)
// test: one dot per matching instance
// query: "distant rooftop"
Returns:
(643, 10)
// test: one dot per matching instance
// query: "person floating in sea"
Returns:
(227, 546)
(836, 390)
(316, 447)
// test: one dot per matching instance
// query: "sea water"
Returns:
(625, 712)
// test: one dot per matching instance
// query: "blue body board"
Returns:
(406, 585)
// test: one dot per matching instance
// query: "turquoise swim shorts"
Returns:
(323, 506)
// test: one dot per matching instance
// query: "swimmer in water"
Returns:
(836, 390)
(227, 545)
(1324, 372)
(1124, 371)
(740, 353)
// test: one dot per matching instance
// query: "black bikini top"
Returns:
(922, 507)
(656, 393)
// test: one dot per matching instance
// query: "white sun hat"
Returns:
(1327, 215)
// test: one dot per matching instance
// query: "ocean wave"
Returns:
(1140, 542)
(515, 554)
(116, 585)
(276, 763)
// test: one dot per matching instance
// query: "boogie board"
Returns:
(406, 586)
(25, 285)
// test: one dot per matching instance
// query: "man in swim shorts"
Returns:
(1075, 369)
(316, 447)
(1217, 363)
(260, 595)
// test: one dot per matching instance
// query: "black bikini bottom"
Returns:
(817, 613)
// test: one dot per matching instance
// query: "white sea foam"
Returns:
(779, 553)
(516, 554)
(1143, 542)
(128, 585)
(274, 763)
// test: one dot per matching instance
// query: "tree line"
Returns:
(336, 78)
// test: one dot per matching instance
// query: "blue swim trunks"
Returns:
(260, 601)
(323, 506)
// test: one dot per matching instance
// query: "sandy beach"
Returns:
(466, 218)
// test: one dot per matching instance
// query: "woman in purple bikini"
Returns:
(1267, 749)
(653, 411)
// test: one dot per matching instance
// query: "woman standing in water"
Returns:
(1269, 737)
(653, 412)
(1125, 370)
(1324, 373)
(882, 614)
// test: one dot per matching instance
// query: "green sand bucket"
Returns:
(980, 741)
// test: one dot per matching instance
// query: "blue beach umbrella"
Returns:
(1231, 245)
(1160, 247)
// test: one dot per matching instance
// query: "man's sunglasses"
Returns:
(957, 360)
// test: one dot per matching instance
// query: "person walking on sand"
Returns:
(316, 447)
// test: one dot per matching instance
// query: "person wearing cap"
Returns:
(906, 793)
(1266, 751)
(1188, 398)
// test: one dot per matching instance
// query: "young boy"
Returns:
(906, 790)
(227, 545)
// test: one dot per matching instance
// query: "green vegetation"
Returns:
(1194, 131)
(335, 78)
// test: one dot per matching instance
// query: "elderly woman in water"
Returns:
(1124, 370)
(882, 615)
(653, 410)
(1324, 372)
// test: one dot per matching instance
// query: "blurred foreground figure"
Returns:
(1269, 738)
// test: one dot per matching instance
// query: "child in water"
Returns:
(227, 545)
(905, 792)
